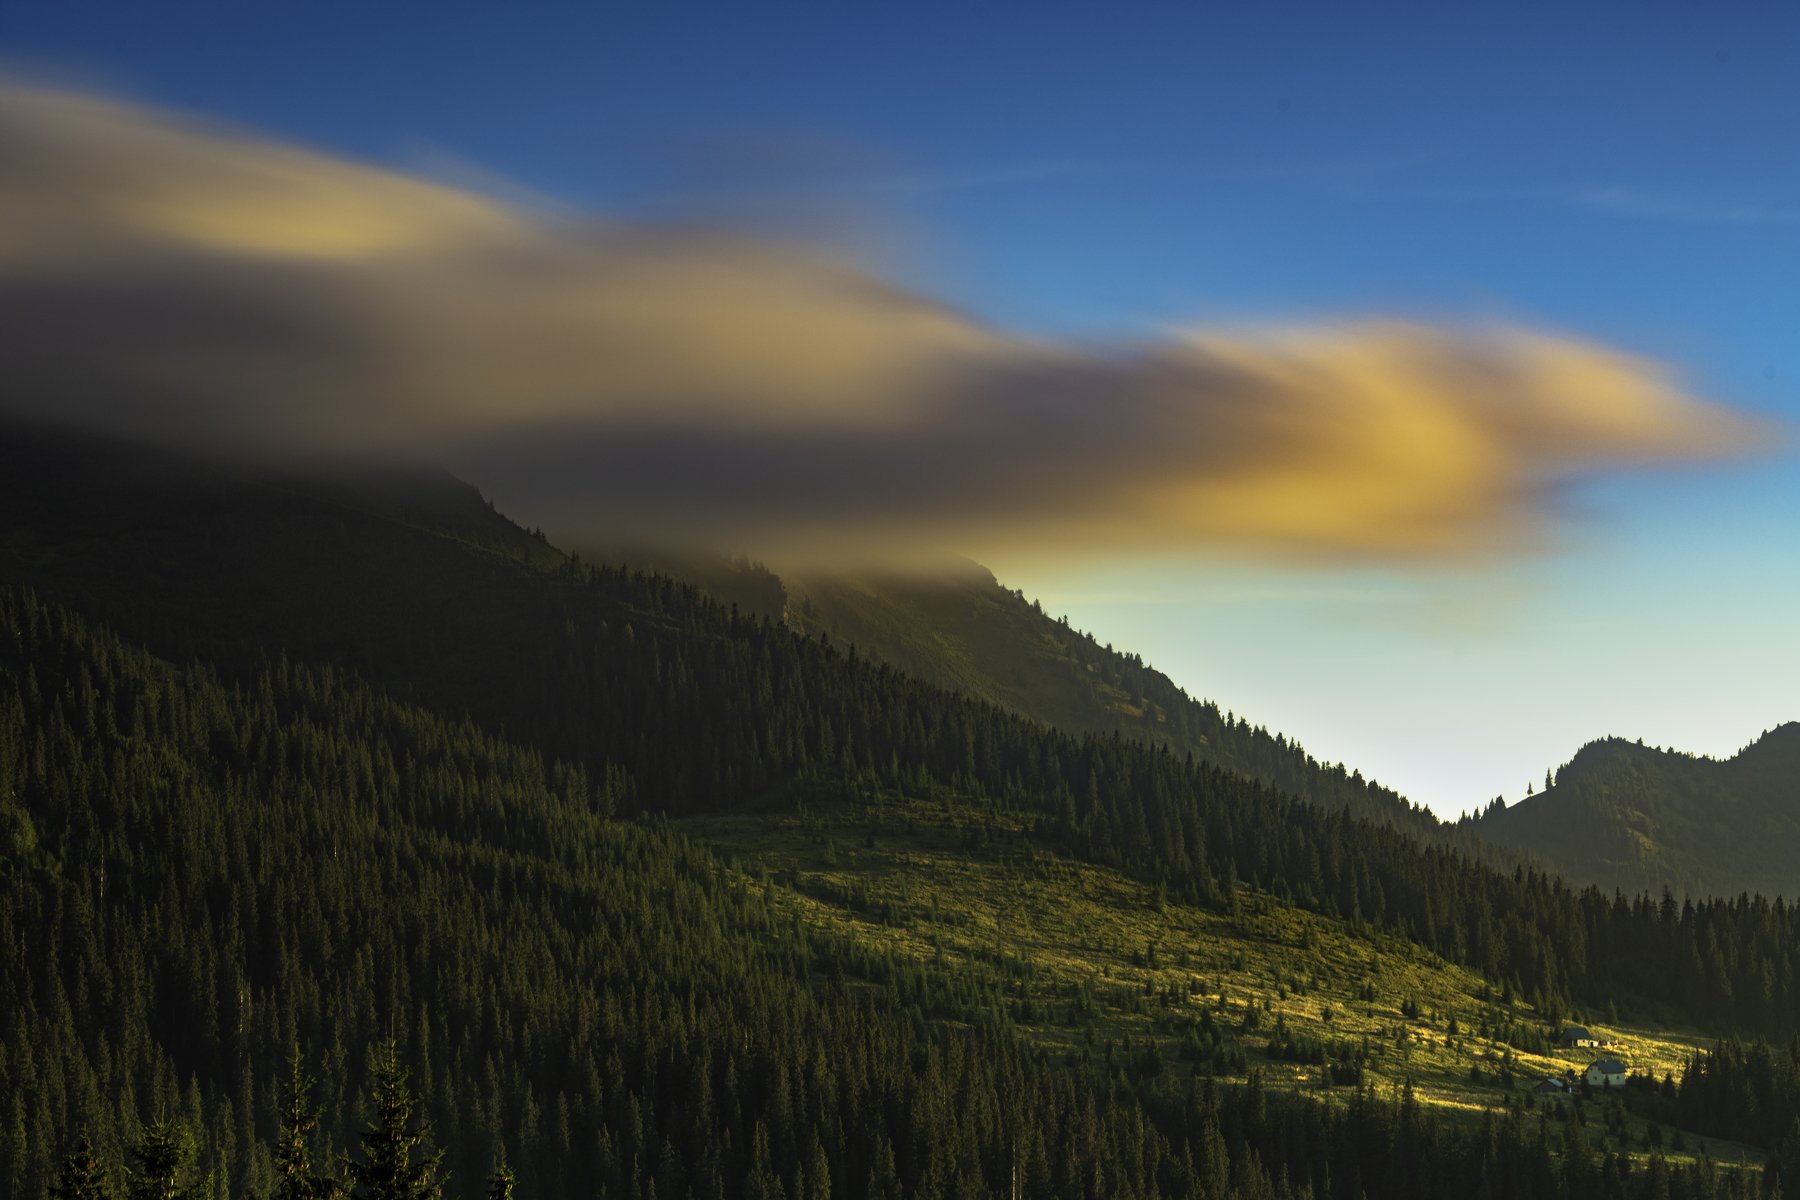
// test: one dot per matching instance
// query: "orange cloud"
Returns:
(175, 281)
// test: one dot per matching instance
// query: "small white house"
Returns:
(1606, 1072)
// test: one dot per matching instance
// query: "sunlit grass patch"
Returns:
(1095, 965)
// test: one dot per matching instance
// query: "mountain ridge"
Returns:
(1621, 814)
(280, 770)
(961, 629)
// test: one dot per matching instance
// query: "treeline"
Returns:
(965, 632)
(1586, 827)
(199, 876)
(1750, 1092)
(397, 1160)
(689, 706)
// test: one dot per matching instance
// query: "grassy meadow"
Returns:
(1096, 965)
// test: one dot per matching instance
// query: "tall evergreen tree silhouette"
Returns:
(83, 1176)
(295, 1178)
(388, 1170)
(165, 1153)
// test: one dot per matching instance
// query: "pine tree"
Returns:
(294, 1176)
(388, 1171)
(500, 1183)
(164, 1153)
(83, 1176)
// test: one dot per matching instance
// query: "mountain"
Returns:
(960, 629)
(655, 896)
(1625, 815)
(308, 867)
(736, 582)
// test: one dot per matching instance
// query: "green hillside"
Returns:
(652, 894)
(939, 1008)
(1624, 815)
(1102, 969)
(705, 709)
(199, 879)
(960, 629)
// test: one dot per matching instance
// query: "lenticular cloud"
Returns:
(163, 278)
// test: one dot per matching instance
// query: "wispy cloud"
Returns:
(932, 183)
(605, 380)
(1394, 180)
(1634, 202)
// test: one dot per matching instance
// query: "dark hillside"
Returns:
(1624, 815)
(699, 708)
(283, 767)
(198, 879)
(960, 629)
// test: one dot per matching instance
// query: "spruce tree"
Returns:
(164, 1152)
(500, 1183)
(387, 1171)
(83, 1176)
(294, 1176)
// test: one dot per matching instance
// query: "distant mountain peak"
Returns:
(1626, 814)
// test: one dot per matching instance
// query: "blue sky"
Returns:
(1629, 176)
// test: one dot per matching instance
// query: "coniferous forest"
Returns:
(302, 783)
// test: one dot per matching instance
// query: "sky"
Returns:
(1330, 198)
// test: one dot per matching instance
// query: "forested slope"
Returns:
(701, 708)
(289, 767)
(960, 629)
(1625, 815)
(201, 879)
